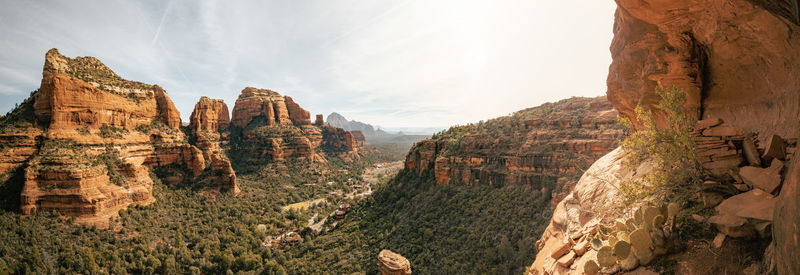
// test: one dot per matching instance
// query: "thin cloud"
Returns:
(389, 63)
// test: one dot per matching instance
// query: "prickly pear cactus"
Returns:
(627, 243)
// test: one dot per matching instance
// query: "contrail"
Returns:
(161, 24)
(367, 23)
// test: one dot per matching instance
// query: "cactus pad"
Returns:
(590, 267)
(640, 240)
(605, 257)
(622, 249)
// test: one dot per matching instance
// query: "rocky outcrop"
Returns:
(208, 123)
(319, 120)
(297, 114)
(596, 193)
(84, 92)
(209, 115)
(390, 263)
(167, 112)
(359, 138)
(552, 140)
(265, 104)
(734, 59)
(91, 139)
(268, 127)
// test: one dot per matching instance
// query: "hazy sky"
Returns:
(390, 63)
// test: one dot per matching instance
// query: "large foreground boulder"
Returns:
(391, 263)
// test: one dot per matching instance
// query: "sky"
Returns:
(398, 63)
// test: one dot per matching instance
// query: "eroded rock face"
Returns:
(268, 127)
(596, 192)
(358, 137)
(95, 139)
(264, 103)
(737, 60)
(297, 114)
(734, 59)
(209, 115)
(208, 123)
(548, 140)
(83, 92)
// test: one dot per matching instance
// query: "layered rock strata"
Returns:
(208, 123)
(269, 127)
(552, 140)
(92, 139)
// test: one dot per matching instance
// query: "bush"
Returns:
(670, 149)
(108, 131)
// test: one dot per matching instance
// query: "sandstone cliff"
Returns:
(86, 140)
(734, 59)
(208, 123)
(737, 62)
(268, 127)
(553, 140)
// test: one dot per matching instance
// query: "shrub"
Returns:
(670, 149)
(108, 131)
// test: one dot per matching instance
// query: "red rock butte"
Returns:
(94, 139)
(269, 127)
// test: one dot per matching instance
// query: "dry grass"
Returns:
(302, 206)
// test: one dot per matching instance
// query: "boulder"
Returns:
(750, 152)
(766, 179)
(711, 199)
(561, 250)
(733, 226)
(776, 148)
(754, 204)
(581, 247)
(391, 263)
(567, 259)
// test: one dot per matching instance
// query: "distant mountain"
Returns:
(337, 120)
(413, 130)
(375, 134)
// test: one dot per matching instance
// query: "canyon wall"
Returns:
(552, 140)
(87, 139)
(736, 60)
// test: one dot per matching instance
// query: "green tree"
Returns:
(669, 148)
